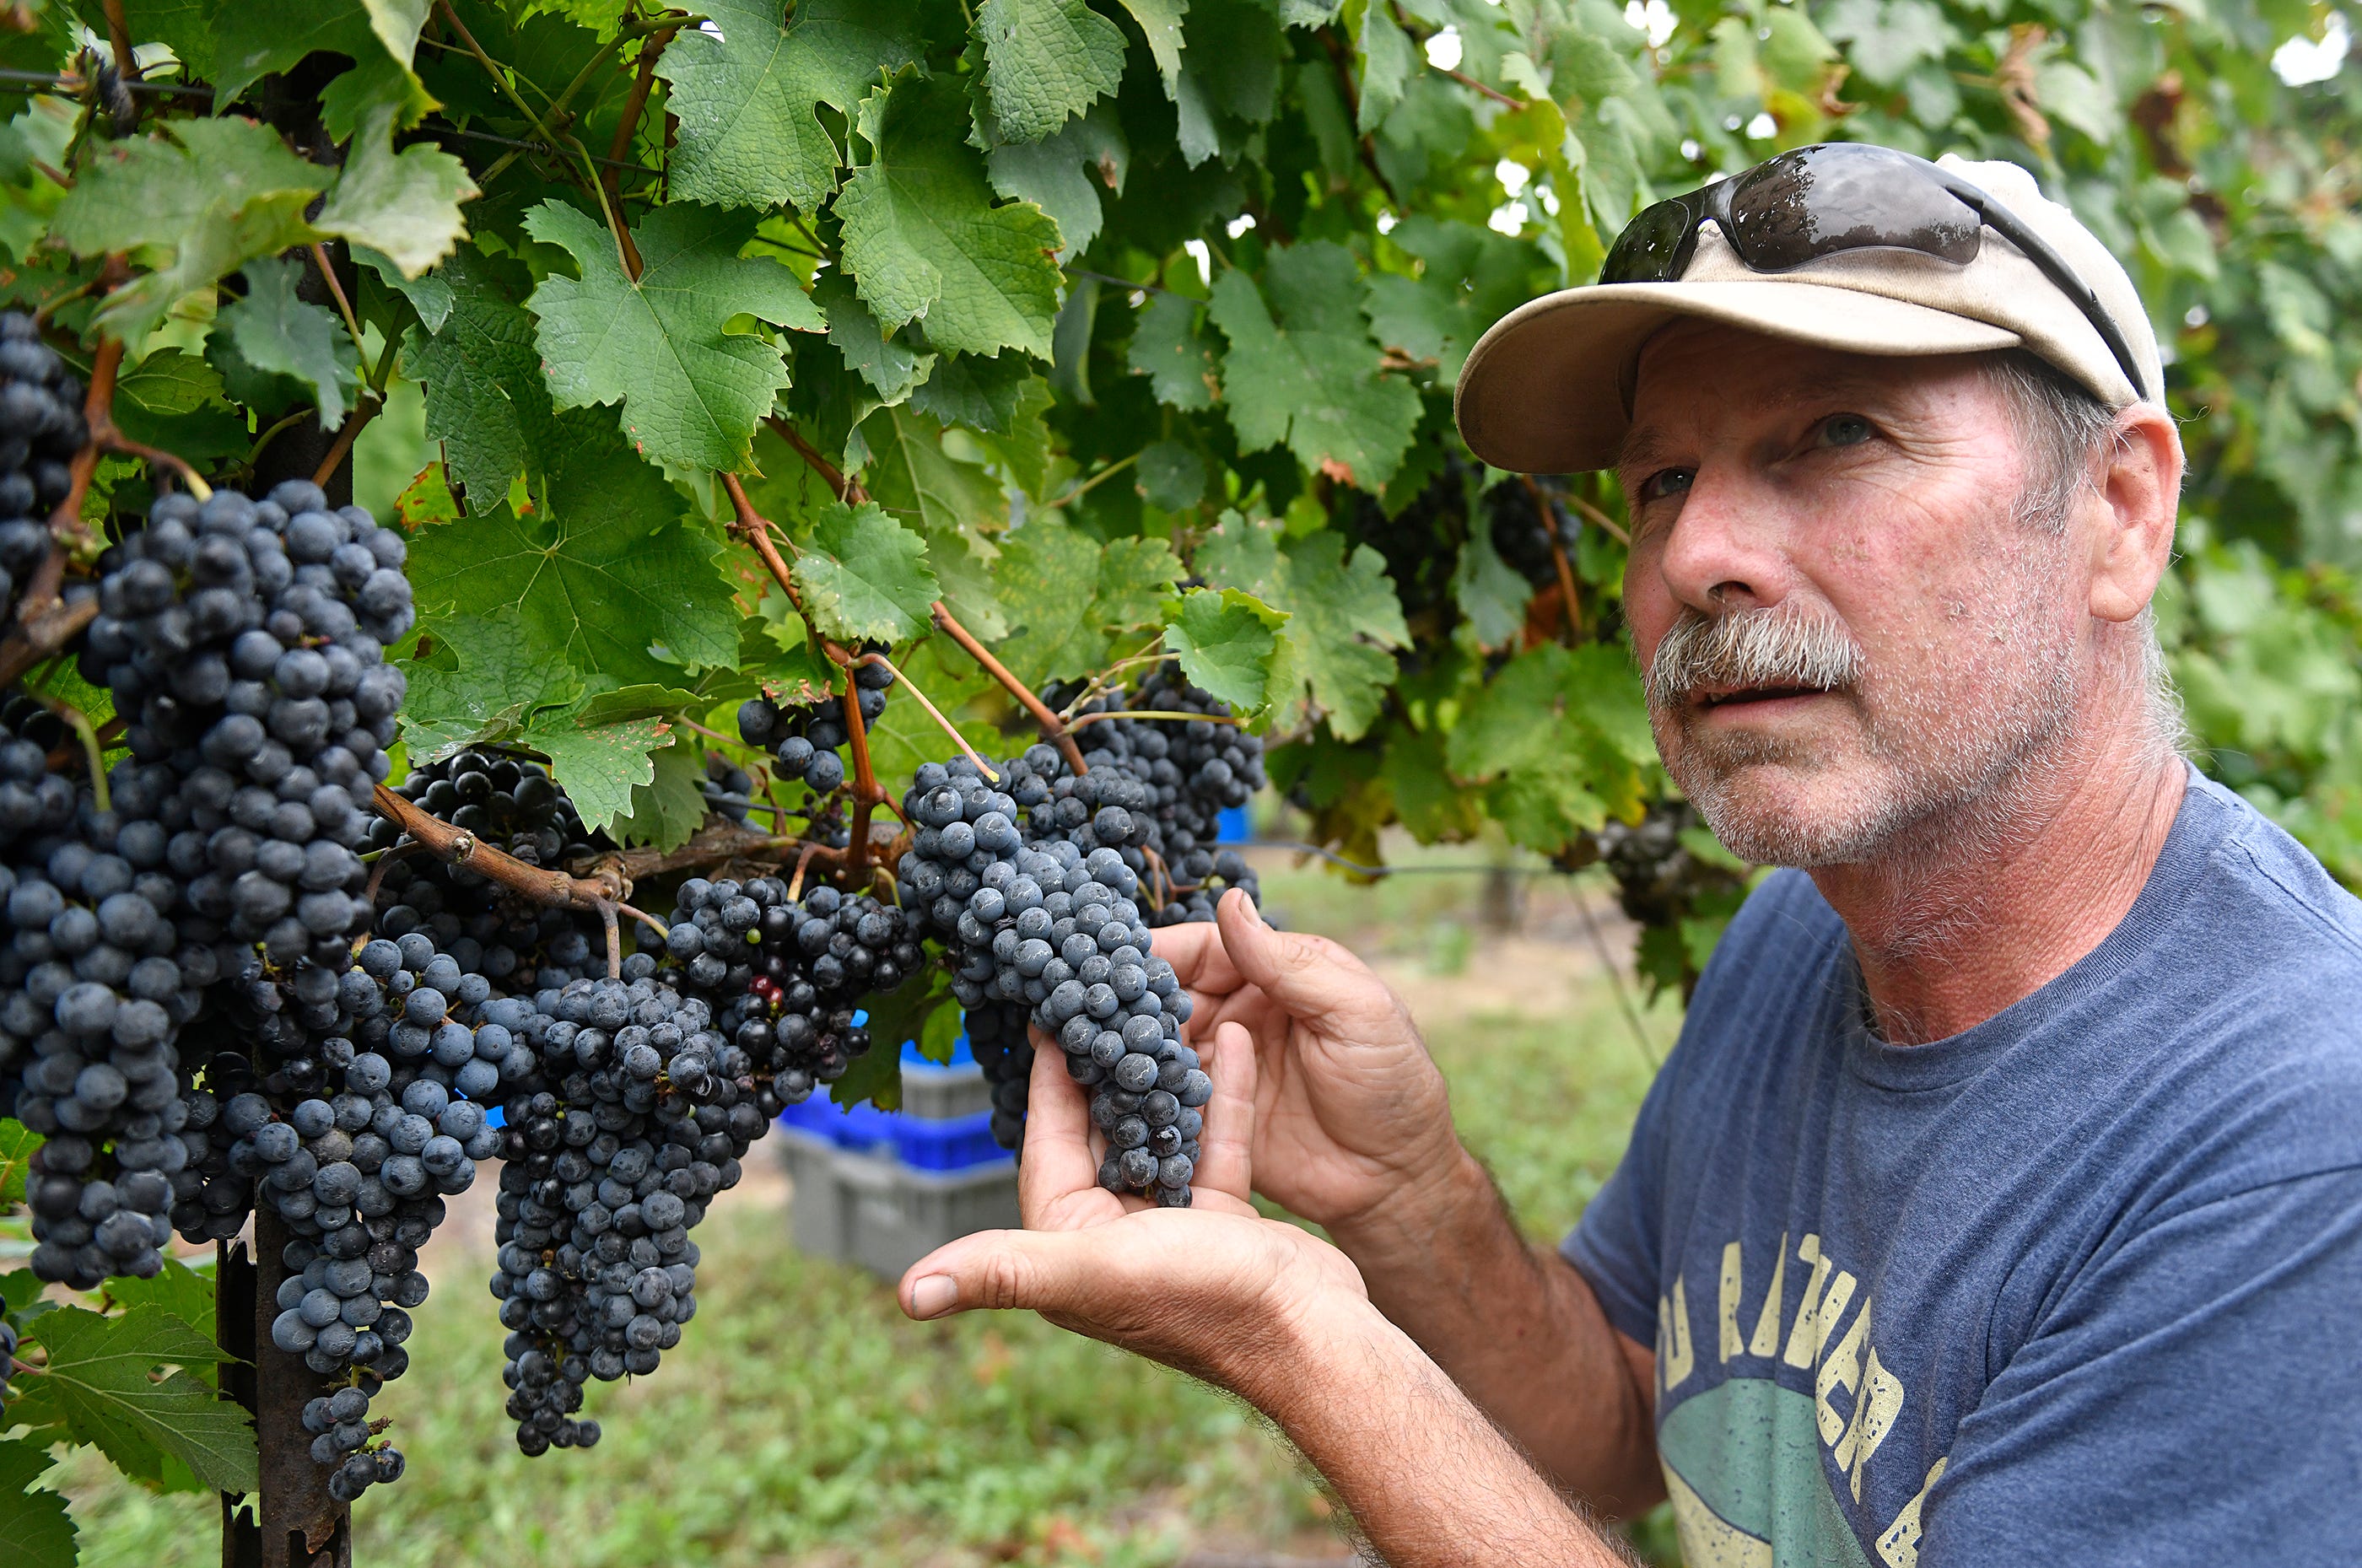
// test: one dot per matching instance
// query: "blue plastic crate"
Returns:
(1235, 826)
(955, 1143)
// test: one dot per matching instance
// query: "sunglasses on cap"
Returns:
(1817, 201)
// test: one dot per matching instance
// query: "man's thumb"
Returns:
(1300, 973)
(1001, 1269)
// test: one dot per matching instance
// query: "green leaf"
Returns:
(1044, 61)
(1171, 347)
(1310, 378)
(1490, 593)
(954, 506)
(1228, 642)
(864, 576)
(1230, 77)
(693, 391)
(1888, 37)
(175, 399)
(1388, 64)
(1058, 174)
(1340, 606)
(1172, 477)
(922, 238)
(602, 765)
(228, 192)
(486, 401)
(892, 369)
(489, 681)
(747, 99)
(1072, 597)
(983, 394)
(98, 1385)
(429, 295)
(405, 205)
(35, 1531)
(601, 573)
(18, 1142)
(255, 38)
(1160, 23)
(282, 335)
(904, 736)
(669, 808)
(1469, 279)
(178, 1290)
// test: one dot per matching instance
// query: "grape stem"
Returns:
(866, 792)
(1052, 730)
(1614, 528)
(635, 105)
(935, 713)
(715, 843)
(846, 489)
(603, 895)
(79, 722)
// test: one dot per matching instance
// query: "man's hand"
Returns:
(1349, 1111)
(1215, 1289)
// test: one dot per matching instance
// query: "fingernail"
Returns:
(932, 1295)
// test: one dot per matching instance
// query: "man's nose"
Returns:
(1723, 551)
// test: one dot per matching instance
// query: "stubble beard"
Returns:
(1938, 755)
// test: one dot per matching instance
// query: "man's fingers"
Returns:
(1058, 1161)
(1044, 1270)
(1226, 1164)
(1307, 975)
(1195, 950)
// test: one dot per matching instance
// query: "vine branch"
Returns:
(847, 490)
(560, 889)
(1051, 729)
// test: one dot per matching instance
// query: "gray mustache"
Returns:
(1780, 645)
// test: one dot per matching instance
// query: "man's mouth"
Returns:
(1712, 696)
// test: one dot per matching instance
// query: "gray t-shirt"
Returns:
(2080, 1286)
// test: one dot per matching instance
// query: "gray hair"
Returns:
(2063, 429)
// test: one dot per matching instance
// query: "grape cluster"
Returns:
(1658, 880)
(727, 788)
(41, 427)
(785, 978)
(806, 742)
(341, 1431)
(7, 1360)
(514, 806)
(33, 800)
(608, 1166)
(1050, 929)
(1198, 768)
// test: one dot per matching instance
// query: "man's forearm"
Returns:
(1517, 1329)
(1428, 1478)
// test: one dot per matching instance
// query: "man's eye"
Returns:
(1666, 483)
(1845, 430)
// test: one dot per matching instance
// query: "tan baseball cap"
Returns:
(1549, 389)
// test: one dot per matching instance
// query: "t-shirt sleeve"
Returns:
(1616, 1245)
(2191, 1399)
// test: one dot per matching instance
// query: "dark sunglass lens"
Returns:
(1651, 246)
(1817, 201)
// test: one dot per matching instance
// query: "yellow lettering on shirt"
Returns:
(1841, 1370)
(1676, 1358)
(1734, 1281)
(1766, 1339)
(1802, 1344)
(1899, 1547)
(1874, 1409)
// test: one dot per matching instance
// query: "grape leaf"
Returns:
(1430, 803)
(18, 1142)
(173, 399)
(487, 681)
(429, 294)
(1171, 347)
(1072, 597)
(1311, 378)
(405, 205)
(746, 90)
(922, 238)
(185, 26)
(1172, 477)
(282, 335)
(1229, 78)
(1387, 63)
(228, 192)
(1227, 641)
(903, 736)
(602, 575)
(1047, 574)
(951, 503)
(1339, 607)
(864, 576)
(603, 766)
(1160, 23)
(1469, 279)
(484, 390)
(1490, 593)
(255, 38)
(1056, 174)
(181, 1291)
(1045, 60)
(981, 393)
(669, 808)
(692, 392)
(97, 1385)
(35, 1531)
(892, 369)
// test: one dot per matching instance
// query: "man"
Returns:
(2002, 1200)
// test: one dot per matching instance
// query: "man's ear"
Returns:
(2137, 495)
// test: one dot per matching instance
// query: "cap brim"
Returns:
(1545, 390)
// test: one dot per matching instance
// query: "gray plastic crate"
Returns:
(873, 1210)
(934, 1093)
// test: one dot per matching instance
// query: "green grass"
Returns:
(803, 1421)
